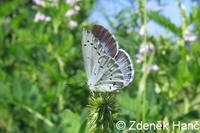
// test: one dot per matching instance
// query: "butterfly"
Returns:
(107, 67)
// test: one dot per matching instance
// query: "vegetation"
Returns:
(40, 51)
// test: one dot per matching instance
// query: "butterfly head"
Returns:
(91, 86)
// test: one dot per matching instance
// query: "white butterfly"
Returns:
(108, 68)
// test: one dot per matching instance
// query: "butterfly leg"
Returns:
(92, 93)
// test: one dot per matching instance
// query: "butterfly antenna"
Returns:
(69, 83)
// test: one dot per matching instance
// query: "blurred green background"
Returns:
(40, 51)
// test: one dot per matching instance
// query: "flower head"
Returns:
(71, 2)
(190, 37)
(142, 30)
(76, 9)
(157, 89)
(39, 2)
(70, 13)
(41, 17)
(146, 47)
(139, 58)
(54, 2)
(73, 24)
(153, 67)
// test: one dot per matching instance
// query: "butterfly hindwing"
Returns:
(108, 75)
(125, 64)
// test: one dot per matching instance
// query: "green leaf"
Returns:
(70, 121)
(83, 127)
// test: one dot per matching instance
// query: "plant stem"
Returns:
(146, 64)
(145, 56)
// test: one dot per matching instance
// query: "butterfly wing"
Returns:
(107, 67)
(89, 48)
(106, 39)
(107, 74)
(124, 62)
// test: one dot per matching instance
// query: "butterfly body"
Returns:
(108, 68)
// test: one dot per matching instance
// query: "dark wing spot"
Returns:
(98, 61)
(84, 44)
(98, 53)
(109, 87)
(101, 66)
(114, 83)
(88, 41)
(91, 43)
(95, 73)
(101, 79)
(95, 48)
(110, 70)
(111, 75)
(110, 78)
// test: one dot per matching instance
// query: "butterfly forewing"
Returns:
(91, 51)
(106, 39)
